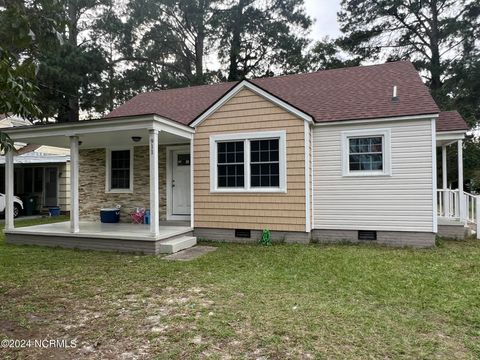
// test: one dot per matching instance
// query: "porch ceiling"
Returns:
(115, 138)
(103, 133)
(449, 137)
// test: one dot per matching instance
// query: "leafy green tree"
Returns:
(113, 37)
(69, 77)
(326, 54)
(262, 38)
(175, 40)
(16, 92)
(429, 32)
(26, 28)
(17, 67)
(463, 89)
(54, 35)
(70, 73)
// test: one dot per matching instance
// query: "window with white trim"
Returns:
(119, 170)
(252, 162)
(230, 164)
(366, 152)
(264, 163)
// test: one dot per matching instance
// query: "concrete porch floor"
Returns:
(120, 231)
(174, 236)
(447, 221)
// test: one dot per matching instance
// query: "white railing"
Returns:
(463, 207)
(471, 208)
(448, 203)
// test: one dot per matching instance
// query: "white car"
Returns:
(17, 205)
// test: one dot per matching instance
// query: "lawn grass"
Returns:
(246, 301)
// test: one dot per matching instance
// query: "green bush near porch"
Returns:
(285, 301)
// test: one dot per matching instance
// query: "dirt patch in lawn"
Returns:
(127, 326)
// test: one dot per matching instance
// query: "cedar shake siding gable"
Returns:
(244, 113)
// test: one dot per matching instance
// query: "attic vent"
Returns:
(242, 233)
(367, 235)
(395, 93)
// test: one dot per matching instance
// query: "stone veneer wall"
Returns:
(92, 169)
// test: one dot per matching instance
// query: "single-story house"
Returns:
(344, 154)
(41, 172)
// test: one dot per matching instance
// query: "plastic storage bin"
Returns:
(54, 211)
(109, 215)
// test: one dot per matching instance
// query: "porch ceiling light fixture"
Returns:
(136, 138)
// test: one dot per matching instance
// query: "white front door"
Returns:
(181, 182)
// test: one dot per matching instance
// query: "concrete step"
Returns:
(173, 245)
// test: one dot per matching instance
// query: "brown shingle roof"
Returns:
(450, 121)
(354, 93)
(181, 105)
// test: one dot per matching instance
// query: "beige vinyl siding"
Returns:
(64, 187)
(400, 202)
(248, 112)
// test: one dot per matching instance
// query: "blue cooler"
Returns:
(109, 215)
(54, 211)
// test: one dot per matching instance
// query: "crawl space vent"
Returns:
(367, 235)
(242, 233)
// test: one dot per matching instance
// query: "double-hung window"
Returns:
(264, 163)
(230, 166)
(366, 152)
(253, 162)
(119, 170)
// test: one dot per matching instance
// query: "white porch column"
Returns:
(9, 178)
(446, 197)
(192, 183)
(154, 198)
(74, 200)
(461, 196)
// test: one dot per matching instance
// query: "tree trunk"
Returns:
(200, 42)
(73, 102)
(111, 92)
(235, 43)
(72, 23)
(435, 64)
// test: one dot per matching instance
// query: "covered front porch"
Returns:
(172, 237)
(132, 163)
(456, 208)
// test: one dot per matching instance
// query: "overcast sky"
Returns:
(325, 14)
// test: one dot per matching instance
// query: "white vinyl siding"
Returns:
(399, 202)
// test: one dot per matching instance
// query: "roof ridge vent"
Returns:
(395, 93)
